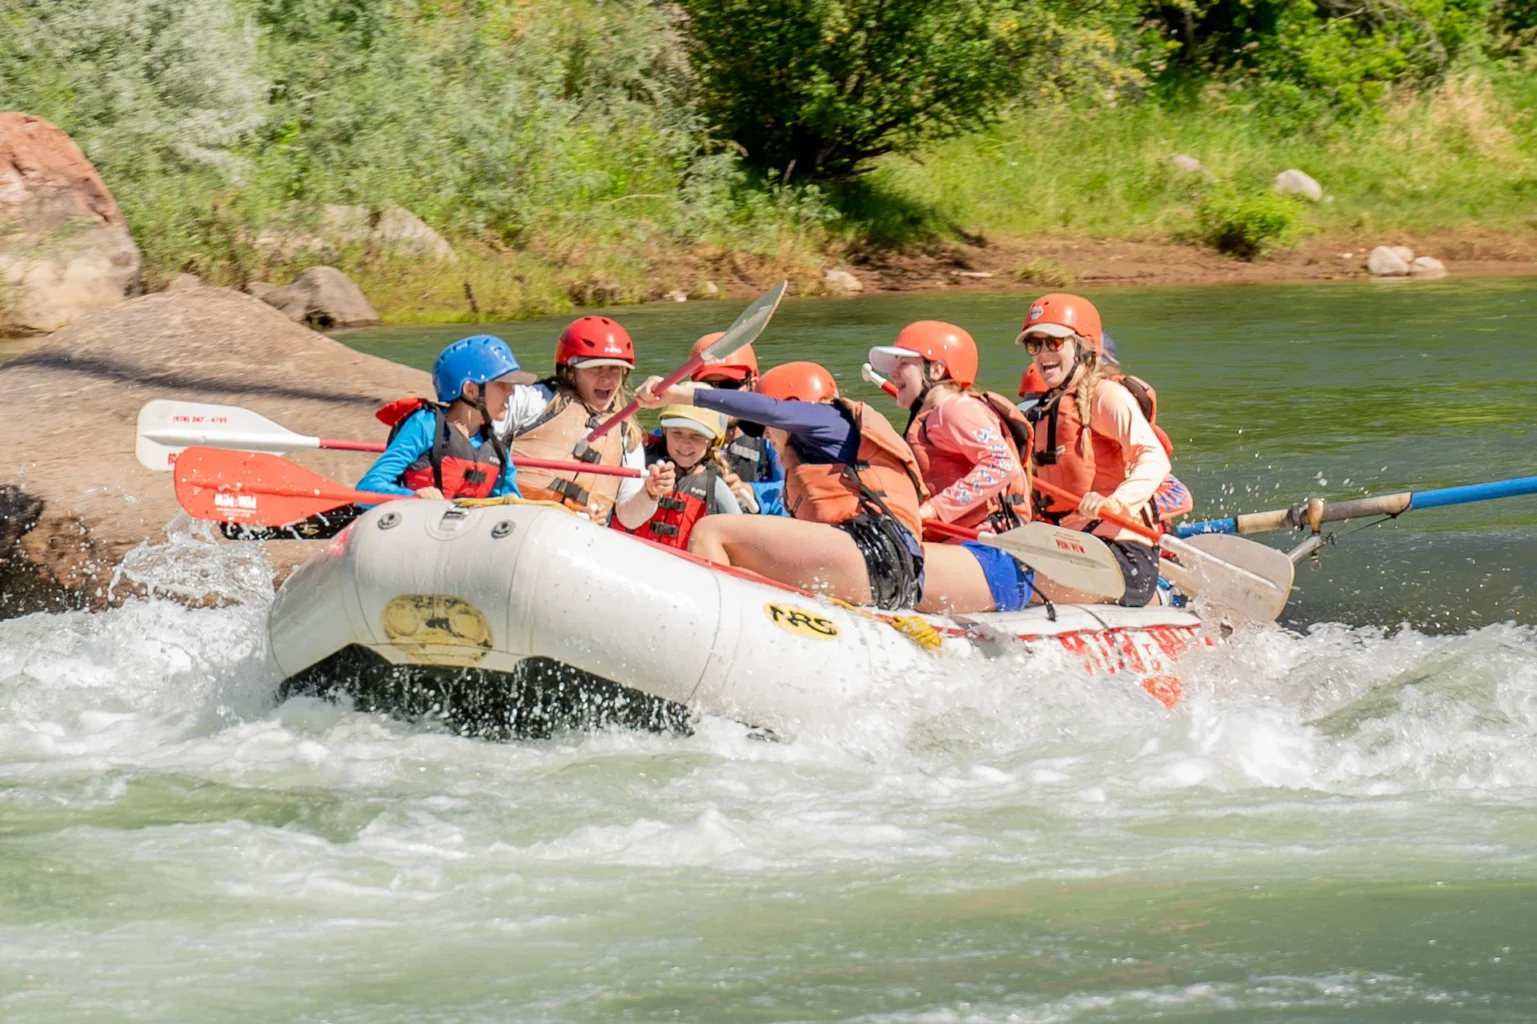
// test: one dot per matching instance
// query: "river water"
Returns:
(1339, 825)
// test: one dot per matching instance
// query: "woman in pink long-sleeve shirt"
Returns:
(971, 463)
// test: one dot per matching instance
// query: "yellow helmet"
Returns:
(691, 417)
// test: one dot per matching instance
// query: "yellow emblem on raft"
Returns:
(435, 629)
(801, 622)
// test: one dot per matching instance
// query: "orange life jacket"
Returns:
(1059, 460)
(452, 464)
(940, 468)
(690, 501)
(556, 435)
(884, 476)
(1147, 401)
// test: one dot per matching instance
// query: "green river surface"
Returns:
(1338, 824)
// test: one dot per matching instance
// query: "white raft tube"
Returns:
(432, 583)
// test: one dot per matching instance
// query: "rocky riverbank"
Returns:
(73, 496)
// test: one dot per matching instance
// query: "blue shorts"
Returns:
(1009, 581)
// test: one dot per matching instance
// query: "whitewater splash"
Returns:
(1341, 710)
(994, 841)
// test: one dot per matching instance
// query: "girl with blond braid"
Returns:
(1092, 438)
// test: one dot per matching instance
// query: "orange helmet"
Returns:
(738, 365)
(1059, 315)
(935, 341)
(807, 382)
(594, 341)
(1032, 383)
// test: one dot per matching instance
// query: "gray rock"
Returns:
(341, 226)
(402, 229)
(1298, 183)
(201, 345)
(321, 297)
(1187, 163)
(1403, 252)
(260, 289)
(1384, 262)
(182, 282)
(64, 248)
(1427, 266)
(842, 280)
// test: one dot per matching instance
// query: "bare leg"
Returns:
(812, 556)
(953, 581)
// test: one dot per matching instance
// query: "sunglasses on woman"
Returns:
(726, 383)
(1035, 342)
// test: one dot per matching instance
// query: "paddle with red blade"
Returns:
(167, 427)
(743, 331)
(257, 489)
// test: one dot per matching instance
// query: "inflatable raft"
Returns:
(504, 617)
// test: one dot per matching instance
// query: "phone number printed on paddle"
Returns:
(801, 622)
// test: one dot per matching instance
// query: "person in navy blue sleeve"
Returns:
(852, 491)
(448, 448)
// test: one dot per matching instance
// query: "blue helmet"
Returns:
(477, 359)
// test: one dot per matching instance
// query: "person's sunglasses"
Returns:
(726, 383)
(1034, 343)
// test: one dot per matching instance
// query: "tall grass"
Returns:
(1465, 152)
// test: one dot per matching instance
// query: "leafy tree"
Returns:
(820, 88)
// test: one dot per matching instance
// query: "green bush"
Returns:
(1305, 61)
(1249, 226)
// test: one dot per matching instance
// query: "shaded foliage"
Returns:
(821, 88)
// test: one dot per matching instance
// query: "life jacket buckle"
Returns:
(568, 489)
(664, 529)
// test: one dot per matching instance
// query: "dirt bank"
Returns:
(1096, 263)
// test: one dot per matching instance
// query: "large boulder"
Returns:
(321, 296)
(64, 247)
(1384, 261)
(73, 403)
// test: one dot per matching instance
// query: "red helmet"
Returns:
(935, 341)
(738, 365)
(595, 341)
(1059, 315)
(808, 382)
(1032, 383)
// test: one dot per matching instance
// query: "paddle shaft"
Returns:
(1125, 522)
(950, 530)
(875, 378)
(1382, 505)
(252, 441)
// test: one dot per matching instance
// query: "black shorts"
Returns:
(893, 559)
(1139, 564)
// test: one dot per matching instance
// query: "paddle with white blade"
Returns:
(1069, 557)
(167, 427)
(1244, 579)
(743, 331)
(1073, 559)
